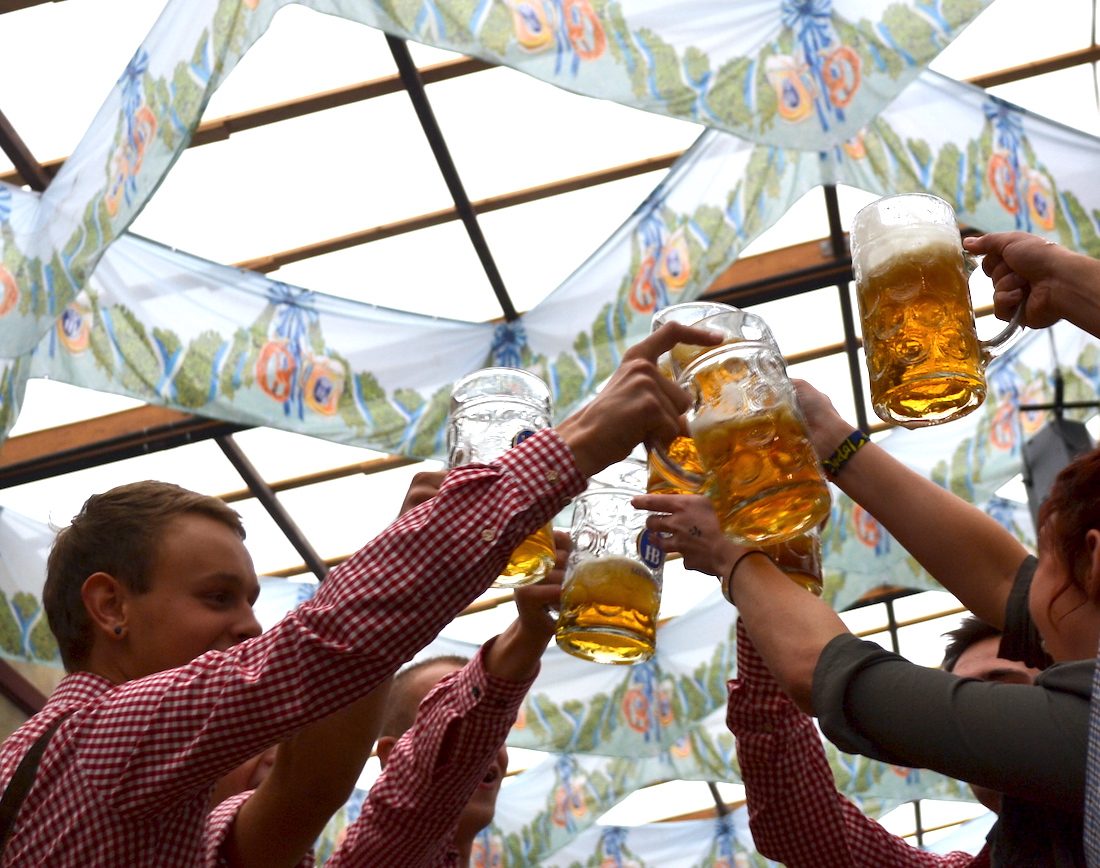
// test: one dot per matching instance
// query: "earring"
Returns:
(118, 631)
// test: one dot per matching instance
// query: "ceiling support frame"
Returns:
(415, 88)
(259, 487)
(29, 169)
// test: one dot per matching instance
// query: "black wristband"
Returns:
(727, 581)
(848, 447)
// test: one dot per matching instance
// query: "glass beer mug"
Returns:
(492, 410)
(925, 362)
(760, 469)
(611, 593)
(682, 450)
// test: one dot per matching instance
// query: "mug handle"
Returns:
(1007, 336)
(696, 483)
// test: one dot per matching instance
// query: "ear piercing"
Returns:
(118, 631)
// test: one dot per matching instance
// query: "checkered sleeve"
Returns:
(151, 742)
(796, 815)
(410, 815)
(218, 826)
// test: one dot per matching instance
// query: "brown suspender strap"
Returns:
(22, 781)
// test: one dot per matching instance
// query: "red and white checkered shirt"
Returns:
(218, 825)
(126, 777)
(796, 815)
(410, 816)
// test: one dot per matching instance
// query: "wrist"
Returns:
(828, 437)
(515, 654)
(727, 579)
(584, 442)
(847, 448)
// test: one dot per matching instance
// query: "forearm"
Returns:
(1076, 293)
(963, 548)
(314, 773)
(515, 654)
(412, 809)
(788, 626)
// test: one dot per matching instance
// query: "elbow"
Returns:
(798, 683)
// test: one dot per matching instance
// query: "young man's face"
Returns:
(201, 590)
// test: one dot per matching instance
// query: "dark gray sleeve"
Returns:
(1024, 741)
(1021, 640)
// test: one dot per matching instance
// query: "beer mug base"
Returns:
(602, 644)
(808, 581)
(778, 514)
(930, 400)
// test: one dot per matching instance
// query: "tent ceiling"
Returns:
(593, 159)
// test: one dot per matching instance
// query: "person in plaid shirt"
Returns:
(442, 747)
(1027, 742)
(433, 797)
(796, 815)
(150, 596)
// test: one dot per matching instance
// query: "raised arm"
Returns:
(374, 611)
(431, 773)
(965, 550)
(768, 599)
(788, 780)
(313, 774)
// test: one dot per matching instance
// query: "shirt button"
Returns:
(476, 691)
(488, 534)
(552, 476)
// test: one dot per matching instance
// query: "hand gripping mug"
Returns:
(682, 450)
(611, 594)
(492, 410)
(925, 362)
(761, 471)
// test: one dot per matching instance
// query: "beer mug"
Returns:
(761, 470)
(800, 558)
(492, 410)
(682, 450)
(925, 362)
(611, 593)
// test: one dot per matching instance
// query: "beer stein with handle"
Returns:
(492, 410)
(925, 362)
(611, 594)
(760, 468)
(682, 450)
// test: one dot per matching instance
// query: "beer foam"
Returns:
(601, 568)
(888, 243)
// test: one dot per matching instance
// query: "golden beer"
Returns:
(767, 483)
(800, 558)
(924, 359)
(531, 562)
(682, 452)
(923, 356)
(609, 609)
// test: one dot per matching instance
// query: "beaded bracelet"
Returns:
(727, 581)
(848, 447)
